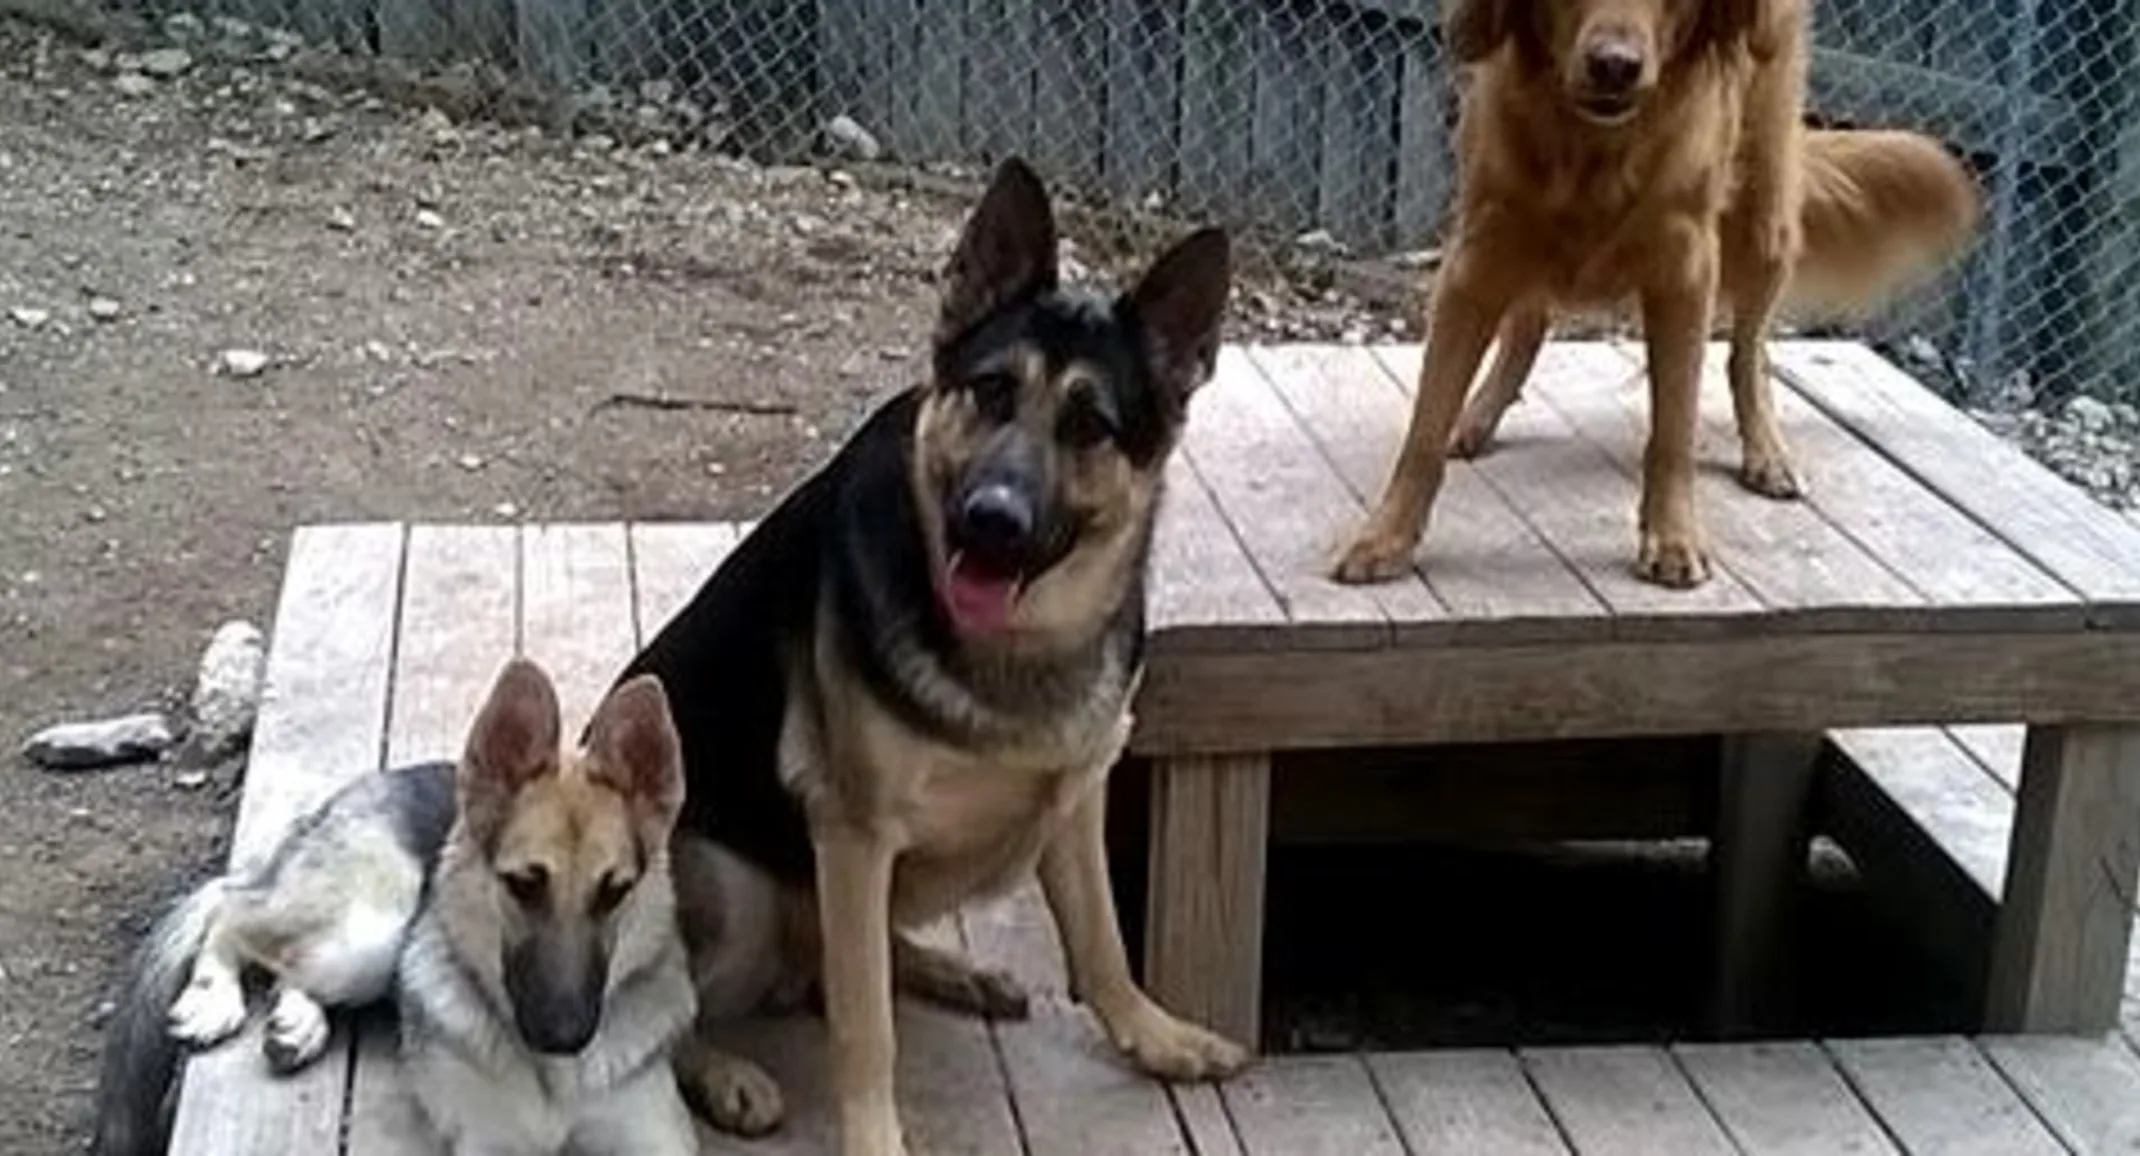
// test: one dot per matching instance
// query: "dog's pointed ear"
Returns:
(636, 752)
(1008, 250)
(1180, 306)
(1473, 29)
(513, 742)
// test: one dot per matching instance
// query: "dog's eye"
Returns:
(1083, 424)
(610, 894)
(995, 395)
(529, 886)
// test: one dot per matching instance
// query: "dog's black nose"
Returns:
(1614, 66)
(994, 518)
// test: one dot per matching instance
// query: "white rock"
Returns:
(226, 694)
(427, 219)
(165, 63)
(850, 138)
(29, 318)
(341, 220)
(2091, 415)
(133, 84)
(107, 742)
(104, 309)
(243, 362)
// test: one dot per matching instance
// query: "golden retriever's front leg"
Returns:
(1073, 874)
(854, 883)
(1675, 322)
(1468, 304)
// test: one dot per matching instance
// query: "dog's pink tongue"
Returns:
(979, 602)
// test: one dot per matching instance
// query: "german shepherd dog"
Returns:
(905, 688)
(518, 906)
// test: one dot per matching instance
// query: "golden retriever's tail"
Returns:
(1882, 210)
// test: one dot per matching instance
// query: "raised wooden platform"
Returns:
(1930, 579)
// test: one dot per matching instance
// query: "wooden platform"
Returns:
(1930, 579)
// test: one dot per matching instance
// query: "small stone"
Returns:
(849, 138)
(435, 121)
(716, 469)
(429, 219)
(132, 84)
(95, 515)
(190, 780)
(2091, 415)
(183, 26)
(471, 462)
(243, 363)
(506, 510)
(166, 63)
(341, 220)
(108, 742)
(1319, 241)
(104, 309)
(29, 318)
(96, 58)
(226, 692)
(657, 91)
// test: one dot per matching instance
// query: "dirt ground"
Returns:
(444, 308)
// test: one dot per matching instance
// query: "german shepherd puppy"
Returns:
(906, 686)
(519, 906)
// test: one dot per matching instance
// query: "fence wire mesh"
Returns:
(1312, 125)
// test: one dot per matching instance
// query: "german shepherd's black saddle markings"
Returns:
(904, 688)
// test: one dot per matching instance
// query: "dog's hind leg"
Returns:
(727, 1091)
(1522, 334)
(942, 977)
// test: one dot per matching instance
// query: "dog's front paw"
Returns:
(734, 1095)
(1375, 556)
(1677, 560)
(1771, 477)
(297, 1032)
(209, 1011)
(1170, 1048)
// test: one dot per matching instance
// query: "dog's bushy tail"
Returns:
(1882, 210)
(135, 1089)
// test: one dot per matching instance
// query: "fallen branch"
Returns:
(662, 401)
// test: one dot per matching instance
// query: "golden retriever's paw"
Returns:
(1176, 1050)
(1771, 477)
(1674, 560)
(1375, 556)
(734, 1095)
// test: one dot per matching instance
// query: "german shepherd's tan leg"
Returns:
(1468, 304)
(854, 887)
(1522, 333)
(1073, 874)
(942, 977)
(1675, 322)
(728, 1091)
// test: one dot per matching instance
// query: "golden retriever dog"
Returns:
(1654, 152)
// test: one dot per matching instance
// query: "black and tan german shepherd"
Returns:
(905, 688)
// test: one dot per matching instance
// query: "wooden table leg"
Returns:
(1758, 858)
(2064, 922)
(1203, 943)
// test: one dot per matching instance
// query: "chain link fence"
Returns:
(1321, 125)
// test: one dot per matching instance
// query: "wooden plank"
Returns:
(1939, 1097)
(2084, 545)
(1938, 550)
(1300, 699)
(670, 561)
(1205, 593)
(1758, 857)
(1995, 746)
(1073, 1093)
(1204, 1120)
(322, 711)
(1143, 86)
(1457, 1103)
(459, 624)
(2086, 1090)
(1581, 503)
(1782, 1099)
(2066, 915)
(1632, 1100)
(1214, 165)
(1493, 572)
(1203, 942)
(1290, 510)
(1943, 791)
(1310, 1106)
(1784, 552)
(1069, 70)
(576, 611)
(1285, 119)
